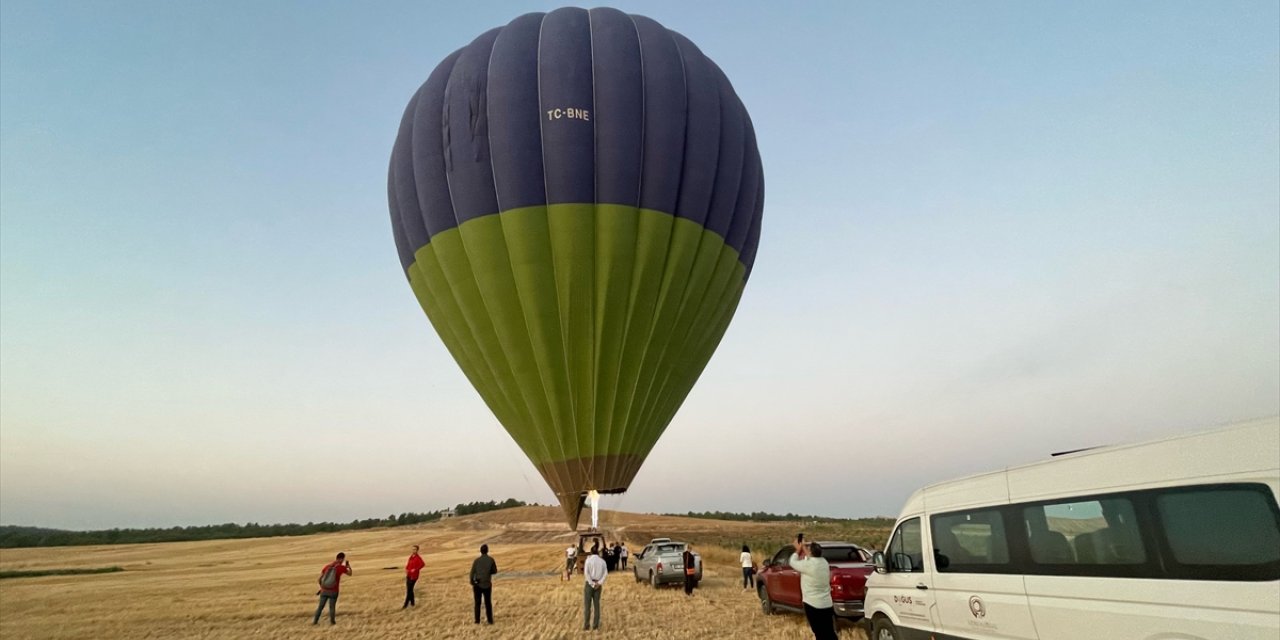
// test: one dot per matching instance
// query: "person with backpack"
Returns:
(330, 580)
(482, 570)
(411, 569)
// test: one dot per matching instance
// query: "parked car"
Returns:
(778, 585)
(662, 562)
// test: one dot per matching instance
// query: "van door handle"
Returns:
(922, 586)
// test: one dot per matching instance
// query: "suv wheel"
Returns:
(766, 603)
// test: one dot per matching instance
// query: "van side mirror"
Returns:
(877, 559)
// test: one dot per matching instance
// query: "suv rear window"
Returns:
(842, 554)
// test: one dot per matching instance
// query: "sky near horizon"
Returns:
(993, 231)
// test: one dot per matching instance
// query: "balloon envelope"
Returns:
(576, 199)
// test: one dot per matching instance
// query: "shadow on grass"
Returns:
(57, 572)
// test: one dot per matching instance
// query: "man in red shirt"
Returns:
(411, 570)
(330, 579)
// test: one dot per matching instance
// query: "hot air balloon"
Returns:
(576, 199)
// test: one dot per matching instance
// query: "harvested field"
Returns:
(265, 587)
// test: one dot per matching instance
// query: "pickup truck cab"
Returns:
(662, 562)
(778, 585)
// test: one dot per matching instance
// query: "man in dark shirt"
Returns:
(690, 570)
(482, 570)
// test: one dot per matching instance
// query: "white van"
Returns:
(1178, 538)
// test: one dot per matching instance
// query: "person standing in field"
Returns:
(482, 570)
(690, 570)
(411, 569)
(748, 568)
(815, 589)
(570, 558)
(594, 571)
(330, 579)
(622, 556)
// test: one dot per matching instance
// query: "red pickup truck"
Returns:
(779, 585)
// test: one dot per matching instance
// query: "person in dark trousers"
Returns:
(690, 570)
(330, 580)
(482, 570)
(594, 573)
(622, 556)
(748, 568)
(815, 589)
(411, 569)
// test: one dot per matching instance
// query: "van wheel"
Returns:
(653, 580)
(766, 603)
(882, 629)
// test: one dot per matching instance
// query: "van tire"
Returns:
(882, 629)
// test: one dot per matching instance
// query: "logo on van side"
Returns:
(977, 608)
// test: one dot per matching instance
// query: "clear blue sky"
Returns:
(992, 231)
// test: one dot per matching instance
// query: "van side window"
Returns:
(971, 541)
(1089, 532)
(906, 551)
(1223, 526)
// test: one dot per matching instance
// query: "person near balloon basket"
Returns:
(594, 573)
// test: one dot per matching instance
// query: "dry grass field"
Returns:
(265, 588)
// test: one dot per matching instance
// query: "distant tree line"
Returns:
(17, 536)
(762, 516)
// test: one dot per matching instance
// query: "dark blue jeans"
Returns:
(748, 577)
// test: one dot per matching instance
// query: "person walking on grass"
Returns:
(482, 570)
(748, 568)
(595, 571)
(815, 589)
(570, 558)
(690, 570)
(330, 579)
(411, 569)
(622, 556)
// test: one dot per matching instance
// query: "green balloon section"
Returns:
(583, 325)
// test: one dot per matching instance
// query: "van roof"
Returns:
(1240, 447)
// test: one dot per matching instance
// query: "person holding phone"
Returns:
(330, 579)
(815, 588)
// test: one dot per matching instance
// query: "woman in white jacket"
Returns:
(748, 568)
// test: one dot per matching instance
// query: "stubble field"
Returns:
(265, 587)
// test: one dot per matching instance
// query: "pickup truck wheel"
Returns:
(882, 629)
(766, 603)
(636, 573)
(653, 580)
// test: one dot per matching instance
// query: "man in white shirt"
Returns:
(595, 572)
(570, 557)
(815, 589)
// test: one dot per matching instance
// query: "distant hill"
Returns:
(22, 536)
(513, 520)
